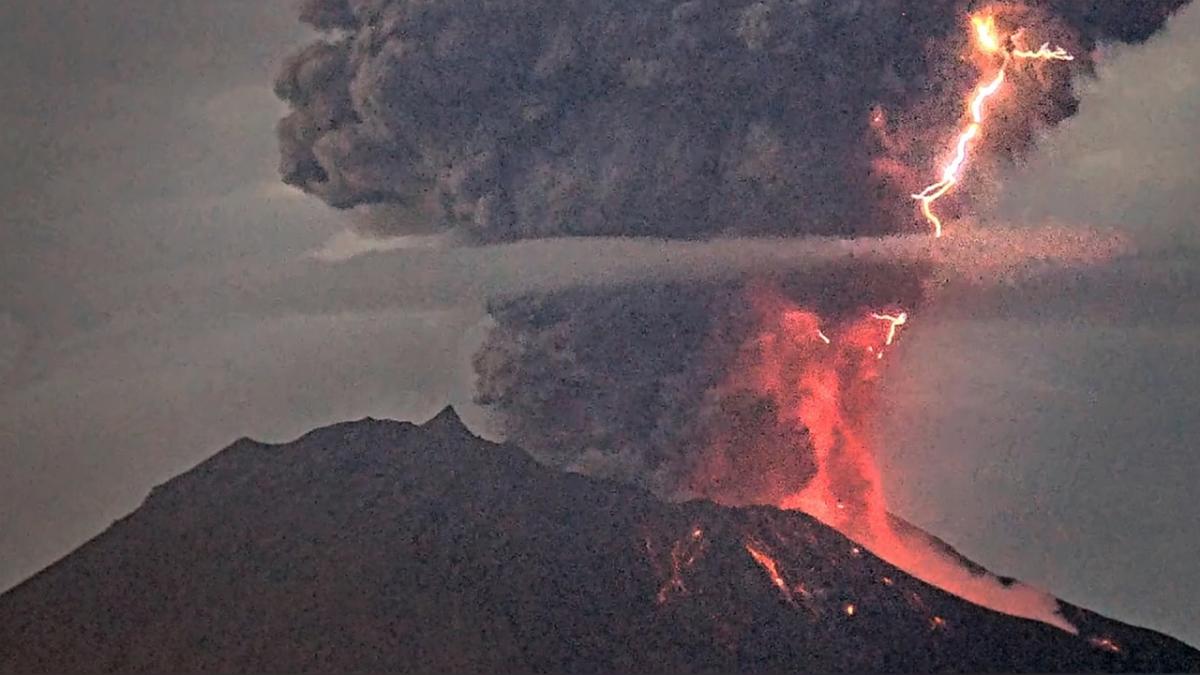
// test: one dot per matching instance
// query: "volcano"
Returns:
(388, 546)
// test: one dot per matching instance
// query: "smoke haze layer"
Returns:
(539, 118)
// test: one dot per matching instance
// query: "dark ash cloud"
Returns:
(541, 118)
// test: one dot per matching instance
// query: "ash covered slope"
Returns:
(377, 545)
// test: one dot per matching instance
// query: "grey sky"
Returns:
(158, 303)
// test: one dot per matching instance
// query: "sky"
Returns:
(162, 294)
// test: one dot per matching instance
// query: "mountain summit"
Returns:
(387, 546)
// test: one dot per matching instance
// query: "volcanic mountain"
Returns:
(387, 546)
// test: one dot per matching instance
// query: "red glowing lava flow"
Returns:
(769, 566)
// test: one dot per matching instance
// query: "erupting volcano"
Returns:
(819, 380)
(688, 480)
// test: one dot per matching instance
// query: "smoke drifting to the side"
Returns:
(541, 118)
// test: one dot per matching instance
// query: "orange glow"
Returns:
(937, 623)
(771, 568)
(821, 396)
(850, 609)
(810, 381)
(988, 41)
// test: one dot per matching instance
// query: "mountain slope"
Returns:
(377, 545)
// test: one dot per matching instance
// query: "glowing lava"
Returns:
(988, 41)
(771, 568)
(810, 382)
(684, 553)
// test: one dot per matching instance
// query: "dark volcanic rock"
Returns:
(378, 545)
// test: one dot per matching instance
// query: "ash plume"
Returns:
(631, 382)
(541, 118)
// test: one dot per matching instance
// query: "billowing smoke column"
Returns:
(546, 118)
(654, 383)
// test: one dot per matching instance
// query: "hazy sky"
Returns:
(159, 301)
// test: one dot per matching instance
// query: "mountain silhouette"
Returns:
(388, 546)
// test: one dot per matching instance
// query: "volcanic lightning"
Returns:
(894, 322)
(988, 41)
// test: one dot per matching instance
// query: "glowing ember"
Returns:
(822, 393)
(937, 623)
(988, 41)
(850, 609)
(1107, 644)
